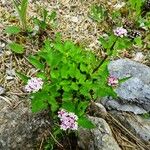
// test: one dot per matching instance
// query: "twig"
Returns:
(122, 128)
(106, 56)
(40, 148)
(6, 100)
(55, 139)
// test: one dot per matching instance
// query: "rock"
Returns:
(134, 93)
(139, 126)
(118, 105)
(19, 128)
(97, 110)
(99, 138)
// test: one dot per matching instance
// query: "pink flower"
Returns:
(34, 84)
(120, 32)
(68, 120)
(112, 81)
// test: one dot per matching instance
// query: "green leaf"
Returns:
(67, 96)
(98, 13)
(102, 90)
(23, 13)
(103, 42)
(124, 79)
(138, 41)
(52, 57)
(42, 75)
(69, 106)
(111, 41)
(122, 43)
(12, 30)
(23, 77)
(74, 86)
(39, 101)
(52, 16)
(53, 103)
(84, 90)
(17, 48)
(45, 13)
(85, 123)
(64, 71)
(82, 107)
(54, 74)
(35, 62)
(83, 67)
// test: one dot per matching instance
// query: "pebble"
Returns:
(139, 57)
(2, 90)
(74, 19)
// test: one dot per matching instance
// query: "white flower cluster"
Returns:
(34, 85)
(68, 120)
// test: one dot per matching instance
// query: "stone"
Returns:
(138, 125)
(134, 93)
(99, 138)
(139, 57)
(74, 19)
(19, 128)
(112, 104)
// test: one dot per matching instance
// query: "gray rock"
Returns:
(136, 124)
(125, 67)
(99, 138)
(19, 128)
(134, 93)
(116, 105)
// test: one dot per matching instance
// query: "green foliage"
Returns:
(23, 77)
(112, 44)
(98, 13)
(71, 83)
(46, 19)
(136, 5)
(22, 12)
(17, 48)
(35, 62)
(85, 123)
(146, 116)
(12, 30)
(138, 41)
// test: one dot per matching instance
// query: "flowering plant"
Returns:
(120, 32)
(69, 78)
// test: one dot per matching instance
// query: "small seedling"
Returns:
(15, 47)
(46, 19)
(12, 30)
(98, 13)
(22, 12)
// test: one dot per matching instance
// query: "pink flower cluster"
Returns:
(34, 85)
(112, 81)
(120, 32)
(68, 120)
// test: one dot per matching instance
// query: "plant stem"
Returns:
(104, 59)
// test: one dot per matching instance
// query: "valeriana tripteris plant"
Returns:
(69, 78)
